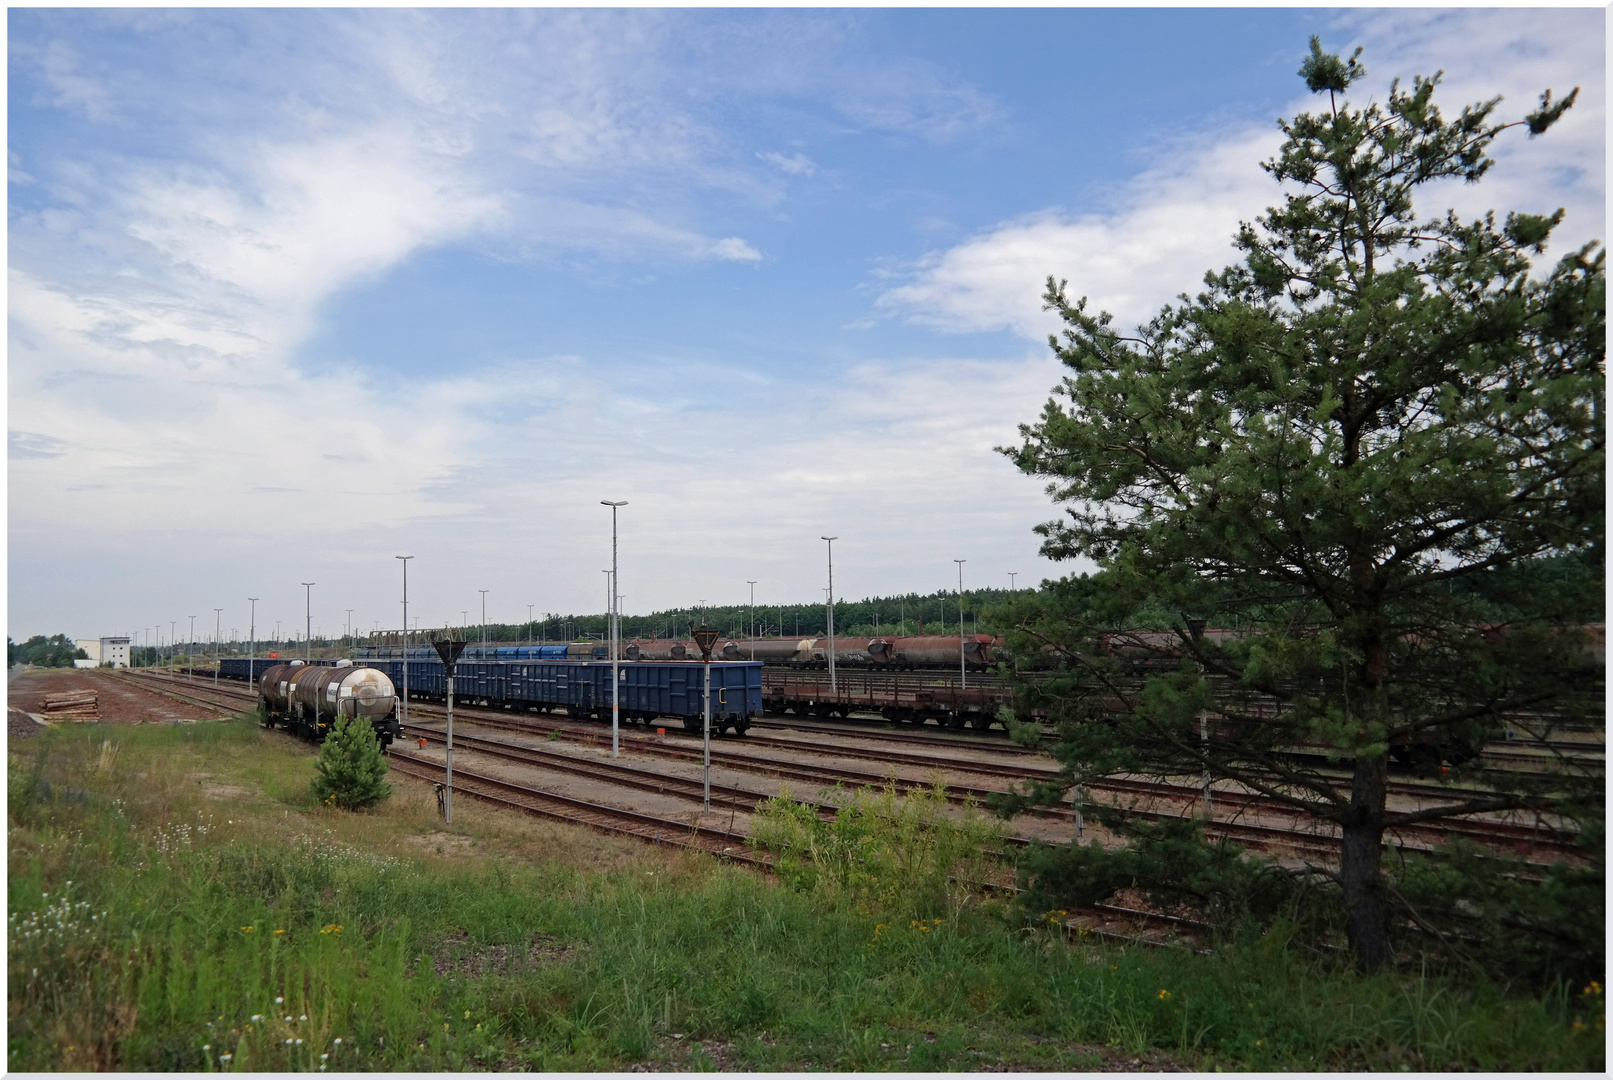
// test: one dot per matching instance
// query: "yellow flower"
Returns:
(467, 1014)
(1594, 988)
(1163, 994)
(333, 928)
(247, 929)
(279, 931)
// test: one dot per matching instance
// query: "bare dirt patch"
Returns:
(120, 699)
(502, 959)
(442, 843)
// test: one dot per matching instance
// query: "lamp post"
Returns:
(531, 628)
(403, 702)
(830, 605)
(750, 631)
(349, 624)
(484, 622)
(173, 646)
(190, 653)
(615, 631)
(308, 622)
(216, 626)
(252, 650)
(962, 670)
(1012, 574)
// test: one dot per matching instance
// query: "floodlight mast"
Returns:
(963, 671)
(833, 688)
(403, 702)
(615, 635)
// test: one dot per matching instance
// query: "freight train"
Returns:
(975, 651)
(307, 699)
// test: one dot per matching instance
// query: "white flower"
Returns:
(207, 1046)
(279, 1001)
(338, 1042)
(302, 1018)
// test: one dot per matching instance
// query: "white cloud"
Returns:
(1175, 221)
(736, 250)
(794, 164)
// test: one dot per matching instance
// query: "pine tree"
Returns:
(1358, 446)
(352, 769)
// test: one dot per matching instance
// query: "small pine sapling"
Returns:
(351, 769)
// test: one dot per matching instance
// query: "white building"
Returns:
(107, 650)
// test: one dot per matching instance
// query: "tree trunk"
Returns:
(1367, 921)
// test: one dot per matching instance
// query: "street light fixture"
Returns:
(252, 650)
(484, 622)
(615, 632)
(190, 652)
(1012, 574)
(830, 605)
(216, 625)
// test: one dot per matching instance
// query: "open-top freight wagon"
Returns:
(649, 691)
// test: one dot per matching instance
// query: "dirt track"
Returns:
(119, 700)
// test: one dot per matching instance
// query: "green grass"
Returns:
(147, 890)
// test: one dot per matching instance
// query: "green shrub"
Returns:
(352, 769)
(880, 847)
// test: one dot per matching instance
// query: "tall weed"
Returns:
(880, 847)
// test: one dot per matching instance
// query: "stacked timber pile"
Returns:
(73, 706)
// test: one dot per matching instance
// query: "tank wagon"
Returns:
(307, 699)
(649, 690)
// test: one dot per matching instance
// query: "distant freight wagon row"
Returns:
(975, 651)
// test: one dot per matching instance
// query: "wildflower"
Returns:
(1163, 994)
(207, 1046)
(1594, 989)
(279, 1001)
(322, 1057)
(247, 929)
(255, 1018)
(338, 1042)
(299, 1042)
(225, 1057)
(467, 1014)
(1260, 1042)
(279, 931)
(288, 1042)
(332, 928)
(302, 1018)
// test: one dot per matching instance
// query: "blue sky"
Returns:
(292, 292)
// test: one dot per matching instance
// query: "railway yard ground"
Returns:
(177, 901)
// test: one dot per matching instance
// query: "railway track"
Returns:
(1299, 832)
(609, 819)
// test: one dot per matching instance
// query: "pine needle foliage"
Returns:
(1353, 455)
(352, 769)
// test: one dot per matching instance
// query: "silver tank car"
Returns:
(308, 699)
